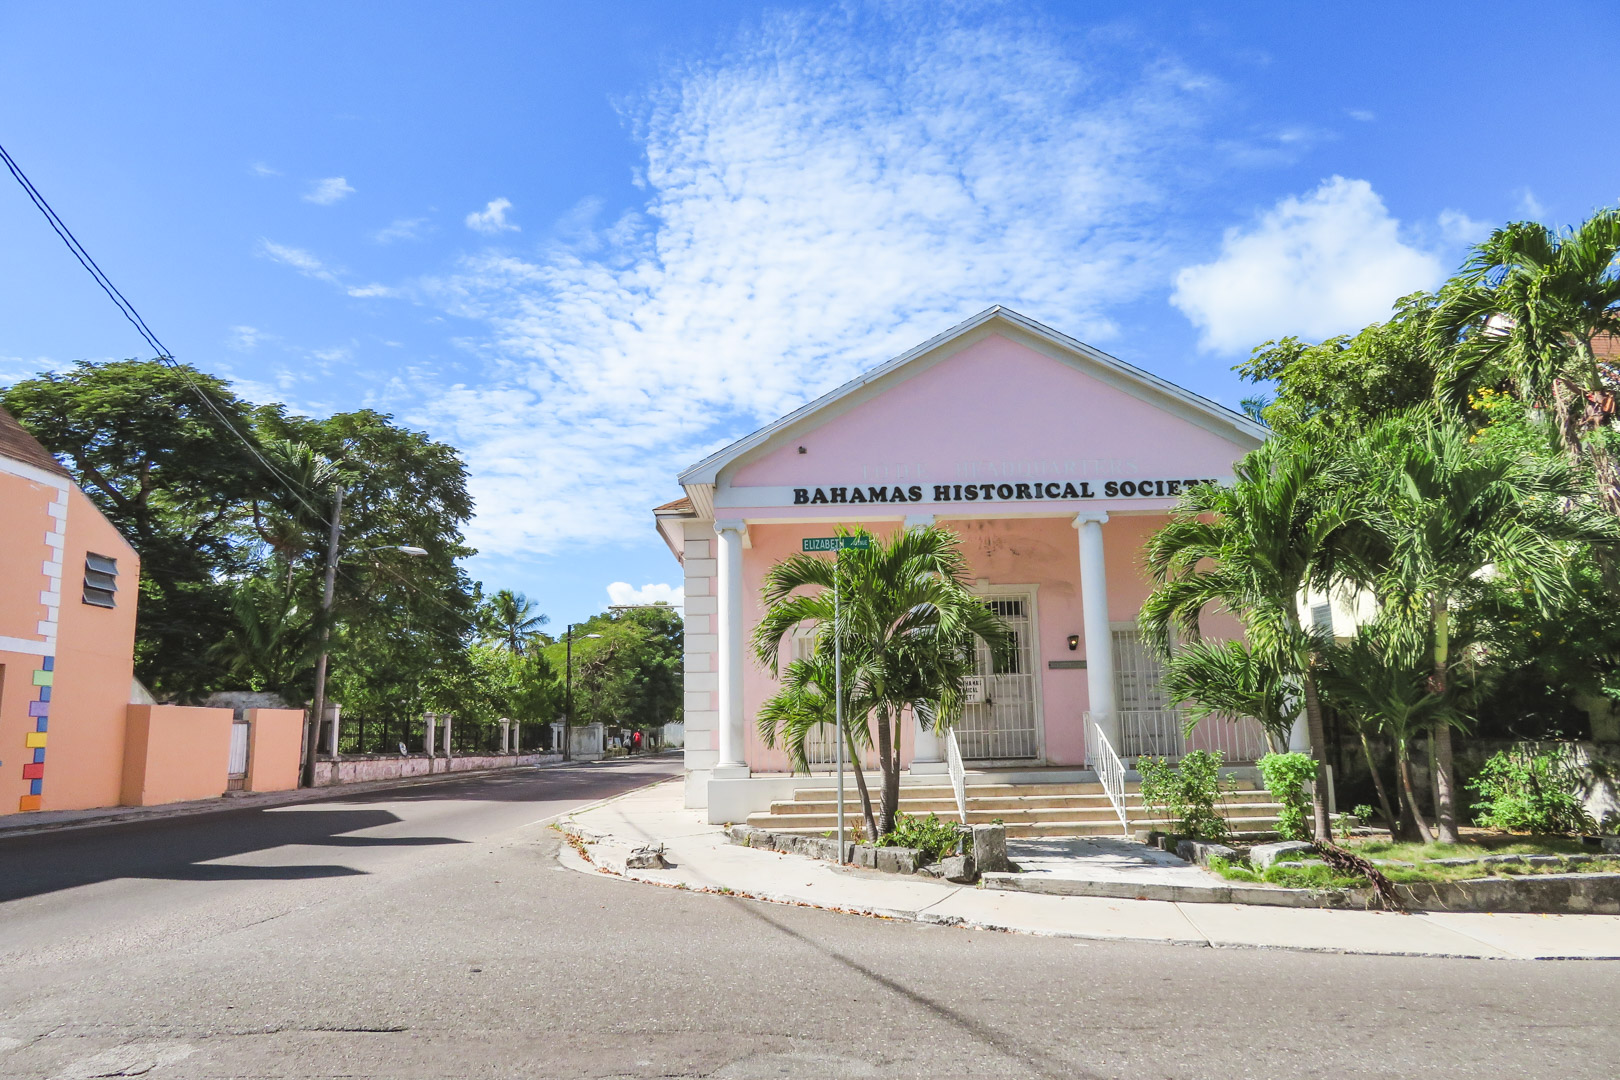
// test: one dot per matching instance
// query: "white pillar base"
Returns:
(730, 772)
(929, 768)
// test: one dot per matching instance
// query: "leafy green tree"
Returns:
(908, 623)
(630, 674)
(1347, 382)
(1446, 508)
(274, 641)
(1253, 549)
(1528, 312)
(146, 442)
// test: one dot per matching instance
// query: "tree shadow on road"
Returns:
(186, 849)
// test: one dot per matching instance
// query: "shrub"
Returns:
(1187, 795)
(933, 837)
(1530, 790)
(1286, 776)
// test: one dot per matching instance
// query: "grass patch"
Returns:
(1472, 847)
(1419, 874)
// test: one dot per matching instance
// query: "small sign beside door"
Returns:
(973, 690)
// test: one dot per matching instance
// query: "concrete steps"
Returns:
(1027, 810)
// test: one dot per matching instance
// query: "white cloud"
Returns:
(312, 267)
(1530, 206)
(492, 218)
(245, 338)
(1458, 228)
(400, 229)
(328, 191)
(1366, 116)
(259, 168)
(1325, 263)
(826, 197)
(621, 593)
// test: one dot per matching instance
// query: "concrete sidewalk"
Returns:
(704, 860)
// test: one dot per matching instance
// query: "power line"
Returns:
(129, 312)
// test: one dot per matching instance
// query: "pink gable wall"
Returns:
(996, 410)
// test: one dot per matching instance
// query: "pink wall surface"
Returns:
(23, 552)
(275, 740)
(997, 410)
(1039, 552)
(174, 753)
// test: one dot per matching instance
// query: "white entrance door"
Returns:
(1006, 725)
(1148, 723)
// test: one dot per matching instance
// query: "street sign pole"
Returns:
(836, 544)
(838, 702)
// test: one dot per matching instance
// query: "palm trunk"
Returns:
(1313, 723)
(1403, 768)
(1378, 785)
(860, 785)
(1440, 765)
(889, 764)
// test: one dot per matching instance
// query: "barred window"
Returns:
(100, 580)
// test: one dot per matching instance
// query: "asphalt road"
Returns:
(429, 932)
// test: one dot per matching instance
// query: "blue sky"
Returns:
(589, 243)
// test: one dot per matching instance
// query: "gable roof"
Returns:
(18, 445)
(1228, 422)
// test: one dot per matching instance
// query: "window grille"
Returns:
(100, 580)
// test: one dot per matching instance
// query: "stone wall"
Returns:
(358, 770)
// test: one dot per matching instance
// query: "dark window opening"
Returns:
(100, 580)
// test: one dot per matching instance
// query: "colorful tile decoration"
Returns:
(40, 710)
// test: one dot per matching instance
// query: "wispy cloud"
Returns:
(492, 218)
(827, 196)
(259, 168)
(328, 191)
(1324, 263)
(312, 267)
(1366, 116)
(245, 338)
(400, 229)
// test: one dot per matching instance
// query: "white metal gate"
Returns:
(1006, 726)
(1150, 724)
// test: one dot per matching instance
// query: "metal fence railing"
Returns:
(1162, 733)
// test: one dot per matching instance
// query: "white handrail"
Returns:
(953, 761)
(1110, 771)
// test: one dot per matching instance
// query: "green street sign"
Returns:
(837, 543)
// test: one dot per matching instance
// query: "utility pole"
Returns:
(568, 698)
(326, 633)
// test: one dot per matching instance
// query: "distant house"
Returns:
(75, 730)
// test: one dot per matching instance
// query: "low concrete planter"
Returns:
(1541, 894)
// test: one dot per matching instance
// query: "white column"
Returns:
(430, 723)
(928, 749)
(333, 713)
(506, 735)
(1094, 611)
(447, 718)
(729, 586)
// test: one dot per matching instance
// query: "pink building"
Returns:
(72, 732)
(1052, 460)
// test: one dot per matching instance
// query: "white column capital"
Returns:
(1090, 517)
(735, 526)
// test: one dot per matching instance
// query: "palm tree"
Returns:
(1253, 549)
(804, 706)
(1380, 681)
(274, 641)
(1227, 680)
(908, 625)
(1530, 307)
(510, 623)
(1447, 508)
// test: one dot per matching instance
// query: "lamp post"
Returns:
(568, 694)
(313, 728)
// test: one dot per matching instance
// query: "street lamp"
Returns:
(313, 728)
(568, 702)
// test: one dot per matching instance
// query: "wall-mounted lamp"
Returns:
(802, 450)
(1074, 642)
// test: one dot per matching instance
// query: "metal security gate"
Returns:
(1148, 723)
(1005, 726)
(236, 778)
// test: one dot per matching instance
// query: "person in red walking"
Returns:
(635, 742)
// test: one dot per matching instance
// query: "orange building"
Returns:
(69, 736)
